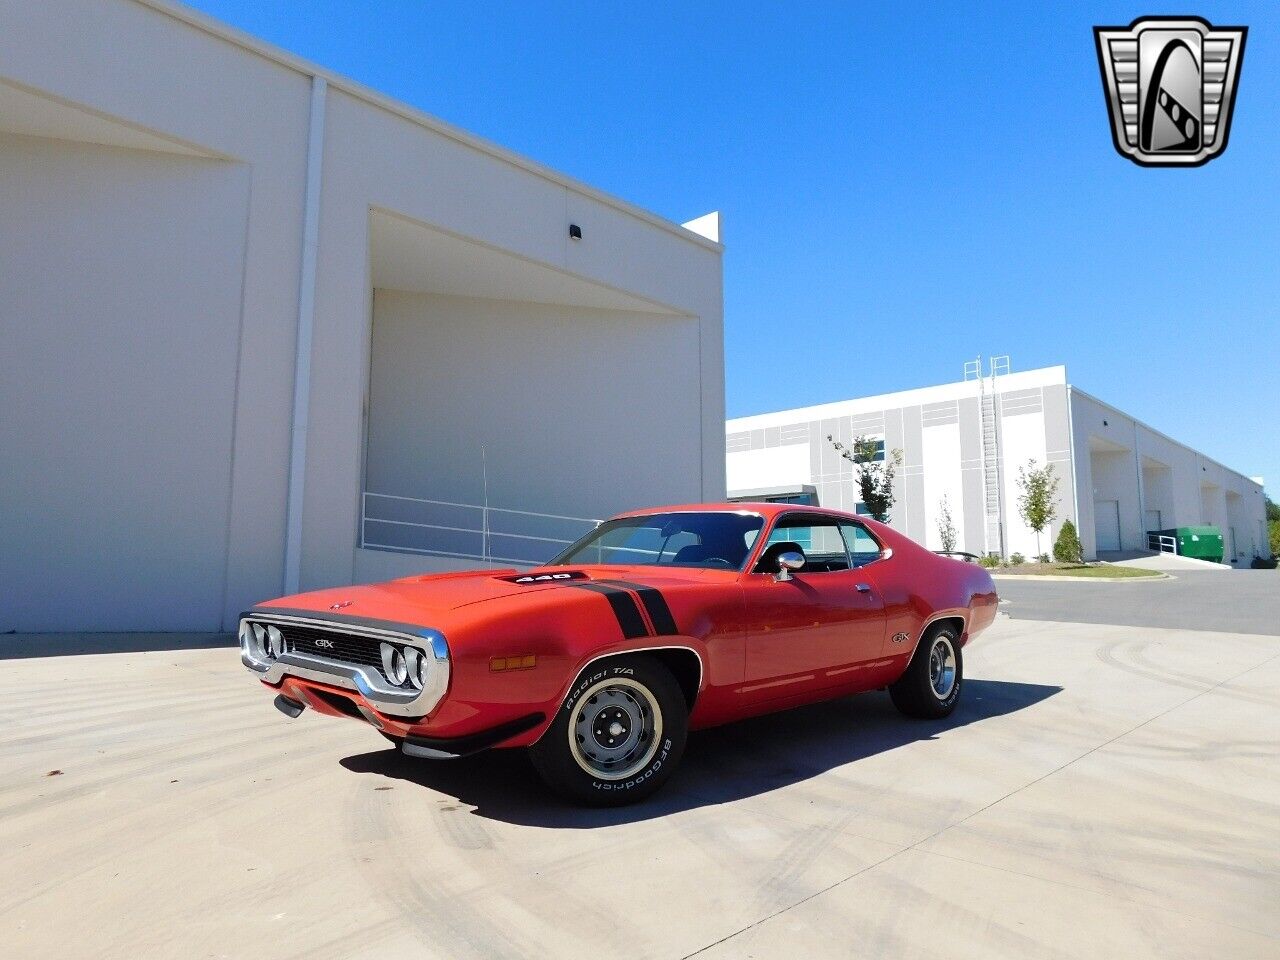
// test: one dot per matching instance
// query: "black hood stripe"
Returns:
(655, 604)
(624, 608)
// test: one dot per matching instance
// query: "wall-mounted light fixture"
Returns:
(575, 232)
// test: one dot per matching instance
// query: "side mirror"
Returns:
(786, 563)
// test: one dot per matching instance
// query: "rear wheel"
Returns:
(931, 686)
(618, 735)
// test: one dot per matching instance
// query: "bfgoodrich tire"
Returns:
(618, 735)
(930, 689)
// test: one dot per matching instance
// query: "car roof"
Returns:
(766, 510)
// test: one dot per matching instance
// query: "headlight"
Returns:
(416, 664)
(394, 665)
(275, 641)
(261, 645)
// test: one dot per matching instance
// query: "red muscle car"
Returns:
(655, 623)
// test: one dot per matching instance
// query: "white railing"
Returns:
(1162, 543)
(465, 531)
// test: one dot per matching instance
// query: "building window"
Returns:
(861, 509)
(804, 499)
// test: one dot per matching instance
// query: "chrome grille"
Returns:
(346, 647)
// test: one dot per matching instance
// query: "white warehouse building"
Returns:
(963, 443)
(266, 330)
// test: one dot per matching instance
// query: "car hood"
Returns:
(419, 599)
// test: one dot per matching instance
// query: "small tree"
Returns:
(875, 480)
(1037, 497)
(1067, 549)
(946, 528)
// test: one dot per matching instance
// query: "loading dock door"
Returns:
(1106, 524)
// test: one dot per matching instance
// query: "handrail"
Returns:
(477, 506)
(470, 537)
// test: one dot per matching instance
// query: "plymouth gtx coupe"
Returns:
(655, 623)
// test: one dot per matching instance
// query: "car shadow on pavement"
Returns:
(723, 764)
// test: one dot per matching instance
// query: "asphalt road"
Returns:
(1235, 601)
(1102, 791)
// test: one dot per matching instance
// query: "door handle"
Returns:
(864, 588)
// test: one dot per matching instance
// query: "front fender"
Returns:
(584, 665)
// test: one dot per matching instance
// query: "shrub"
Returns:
(1066, 549)
(1043, 558)
(989, 561)
(1017, 559)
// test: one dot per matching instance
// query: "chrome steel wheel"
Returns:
(942, 666)
(616, 728)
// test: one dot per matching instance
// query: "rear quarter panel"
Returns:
(919, 586)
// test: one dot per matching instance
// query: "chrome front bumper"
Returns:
(365, 679)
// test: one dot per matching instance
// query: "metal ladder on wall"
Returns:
(989, 408)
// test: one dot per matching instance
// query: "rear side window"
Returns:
(817, 536)
(863, 547)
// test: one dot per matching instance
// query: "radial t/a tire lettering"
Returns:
(618, 735)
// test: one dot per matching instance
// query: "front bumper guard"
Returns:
(368, 681)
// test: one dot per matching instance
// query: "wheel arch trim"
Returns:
(611, 654)
(702, 665)
(953, 614)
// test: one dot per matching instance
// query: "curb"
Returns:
(1050, 577)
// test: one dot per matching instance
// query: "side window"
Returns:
(863, 547)
(817, 536)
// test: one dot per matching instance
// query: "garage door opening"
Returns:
(1106, 525)
(492, 380)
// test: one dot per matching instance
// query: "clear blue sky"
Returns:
(900, 189)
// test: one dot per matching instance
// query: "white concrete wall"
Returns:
(1022, 439)
(939, 431)
(769, 467)
(428, 177)
(120, 288)
(1097, 452)
(1145, 469)
(942, 478)
(188, 299)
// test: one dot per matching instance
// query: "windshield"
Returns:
(712, 541)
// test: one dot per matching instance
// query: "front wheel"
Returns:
(618, 735)
(931, 686)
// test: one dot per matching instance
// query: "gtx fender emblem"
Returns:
(1170, 84)
(901, 637)
(324, 642)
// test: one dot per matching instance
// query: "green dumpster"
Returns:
(1203, 543)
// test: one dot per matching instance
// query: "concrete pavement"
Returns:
(1237, 601)
(1101, 791)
